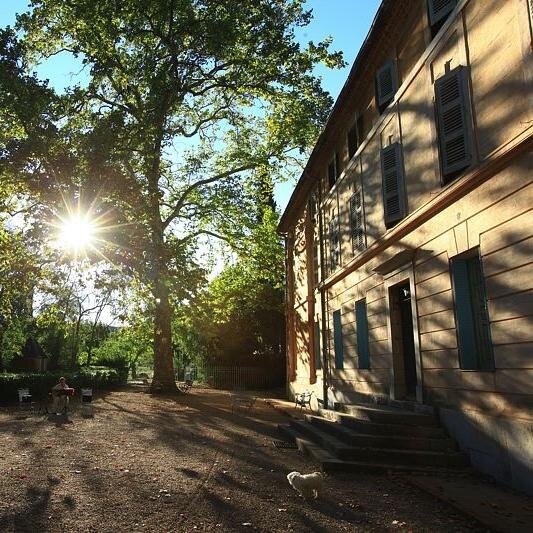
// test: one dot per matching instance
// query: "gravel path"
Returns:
(187, 463)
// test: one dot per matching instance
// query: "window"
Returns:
(334, 170)
(452, 105)
(438, 13)
(352, 140)
(312, 208)
(334, 244)
(393, 186)
(318, 360)
(357, 221)
(386, 84)
(356, 135)
(316, 264)
(361, 325)
(337, 340)
(471, 313)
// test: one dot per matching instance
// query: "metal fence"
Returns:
(236, 377)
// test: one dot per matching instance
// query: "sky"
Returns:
(346, 21)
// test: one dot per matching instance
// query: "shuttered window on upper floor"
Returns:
(318, 359)
(386, 84)
(471, 313)
(334, 170)
(356, 135)
(361, 330)
(312, 208)
(357, 221)
(332, 174)
(452, 106)
(352, 140)
(393, 184)
(338, 344)
(438, 11)
(334, 245)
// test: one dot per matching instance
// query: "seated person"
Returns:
(59, 394)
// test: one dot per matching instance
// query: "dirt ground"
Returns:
(186, 463)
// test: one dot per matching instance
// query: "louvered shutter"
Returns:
(361, 324)
(318, 359)
(334, 244)
(337, 340)
(386, 83)
(439, 9)
(392, 175)
(453, 112)
(352, 140)
(485, 354)
(338, 168)
(356, 221)
(466, 334)
(332, 175)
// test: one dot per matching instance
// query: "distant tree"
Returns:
(184, 100)
(240, 318)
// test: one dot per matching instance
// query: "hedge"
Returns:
(96, 377)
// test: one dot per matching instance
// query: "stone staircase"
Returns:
(375, 438)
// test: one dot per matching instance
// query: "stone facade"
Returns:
(410, 234)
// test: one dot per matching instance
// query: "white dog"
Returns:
(307, 485)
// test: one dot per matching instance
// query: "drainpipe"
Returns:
(324, 321)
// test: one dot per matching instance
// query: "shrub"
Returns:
(96, 377)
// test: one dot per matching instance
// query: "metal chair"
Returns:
(239, 399)
(185, 386)
(303, 399)
(86, 399)
(25, 399)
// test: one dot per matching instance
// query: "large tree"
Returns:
(182, 101)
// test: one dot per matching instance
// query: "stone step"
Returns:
(365, 440)
(382, 455)
(331, 463)
(385, 414)
(379, 428)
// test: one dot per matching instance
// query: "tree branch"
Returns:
(200, 183)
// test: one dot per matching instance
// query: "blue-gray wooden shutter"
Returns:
(337, 340)
(439, 9)
(356, 221)
(464, 316)
(332, 173)
(361, 324)
(485, 354)
(338, 169)
(393, 189)
(318, 359)
(351, 138)
(472, 321)
(334, 244)
(452, 100)
(386, 83)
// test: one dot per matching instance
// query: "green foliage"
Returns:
(40, 384)
(127, 348)
(239, 319)
(185, 102)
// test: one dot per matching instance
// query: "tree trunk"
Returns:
(163, 379)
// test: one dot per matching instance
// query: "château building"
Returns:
(410, 233)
